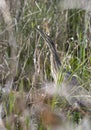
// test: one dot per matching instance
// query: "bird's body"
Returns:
(54, 59)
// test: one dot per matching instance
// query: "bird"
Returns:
(54, 58)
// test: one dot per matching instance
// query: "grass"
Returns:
(68, 29)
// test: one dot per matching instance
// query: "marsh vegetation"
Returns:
(45, 65)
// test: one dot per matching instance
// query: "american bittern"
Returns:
(54, 59)
(70, 87)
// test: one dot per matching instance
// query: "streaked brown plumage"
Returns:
(54, 59)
